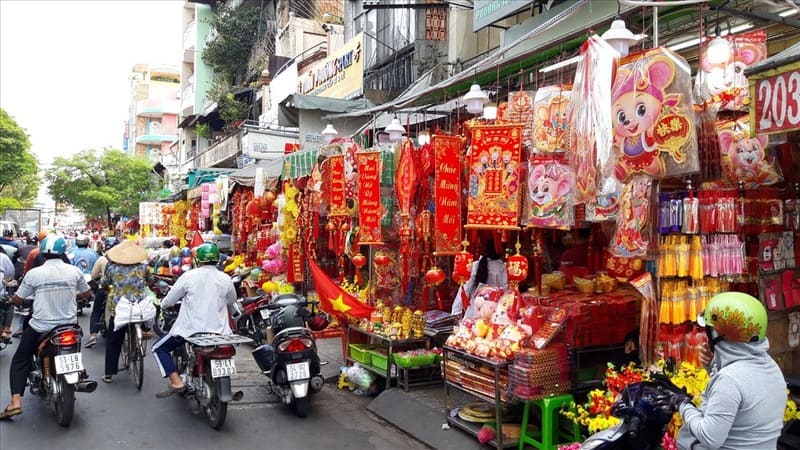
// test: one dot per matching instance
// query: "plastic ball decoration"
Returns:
(185, 251)
(286, 288)
(269, 286)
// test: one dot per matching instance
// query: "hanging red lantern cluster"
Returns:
(359, 261)
(462, 266)
(517, 267)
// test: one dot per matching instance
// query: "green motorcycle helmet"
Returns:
(736, 317)
(206, 253)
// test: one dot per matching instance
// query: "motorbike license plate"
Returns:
(264, 313)
(71, 362)
(222, 368)
(297, 371)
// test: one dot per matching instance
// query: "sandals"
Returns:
(5, 336)
(9, 413)
(106, 379)
(170, 391)
(92, 342)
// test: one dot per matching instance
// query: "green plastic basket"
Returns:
(361, 353)
(380, 360)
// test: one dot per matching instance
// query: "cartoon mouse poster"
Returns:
(723, 84)
(549, 200)
(550, 125)
(745, 157)
(652, 117)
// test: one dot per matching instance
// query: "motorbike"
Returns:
(58, 371)
(645, 409)
(249, 315)
(206, 365)
(84, 302)
(164, 320)
(289, 357)
(5, 308)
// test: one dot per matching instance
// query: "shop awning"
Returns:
(287, 109)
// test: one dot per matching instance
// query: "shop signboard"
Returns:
(339, 76)
(487, 12)
(776, 98)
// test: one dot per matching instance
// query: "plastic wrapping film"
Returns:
(744, 157)
(653, 115)
(590, 139)
(551, 128)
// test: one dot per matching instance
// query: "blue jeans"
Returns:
(162, 351)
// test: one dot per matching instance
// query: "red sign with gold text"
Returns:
(369, 198)
(493, 188)
(447, 194)
(337, 204)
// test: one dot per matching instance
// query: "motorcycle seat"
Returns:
(250, 300)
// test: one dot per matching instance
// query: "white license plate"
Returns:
(222, 368)
(298, 371)
(72, 362)
(264, 313)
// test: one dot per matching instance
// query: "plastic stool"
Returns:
(547, 437)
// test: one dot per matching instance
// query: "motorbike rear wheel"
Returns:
(302, 406)
(158, 324)
(216, 410)
(65, 403)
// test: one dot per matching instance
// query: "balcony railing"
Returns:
(190, 35)
(392, 76)
(187, 99)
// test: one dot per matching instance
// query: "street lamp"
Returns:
(329, 133)
(475, 99)
(395, 130)
(719, 49)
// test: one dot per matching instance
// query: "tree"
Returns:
(237, 32)
(19, 180)
(101, 184)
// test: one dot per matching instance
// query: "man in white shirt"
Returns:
(206, 293)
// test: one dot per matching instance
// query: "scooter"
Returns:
(249, 314)
(58, 371)
(645, 409)
(206, 365)
(84, 302)
(164, 320)
(289, 358)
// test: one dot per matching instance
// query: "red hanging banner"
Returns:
(447, 194)
(494, 184)
(336, 198)
(369, 198)
(294, 274)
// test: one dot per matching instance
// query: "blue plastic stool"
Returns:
(547, 438)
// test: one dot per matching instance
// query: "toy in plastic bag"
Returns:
(549, 201)
(630, 238)
(653, 116)
(744, 157)
(590, 149)
(551, 129)
(722, 84)
(509, 341)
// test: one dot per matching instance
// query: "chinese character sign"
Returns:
(494, 177)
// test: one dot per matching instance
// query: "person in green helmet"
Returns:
(207, 293)
(742, 405)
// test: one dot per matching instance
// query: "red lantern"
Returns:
(517, 267)
(382, 259)
(330, 226)
(253, 209)
(434, 276)
(344, 226)
(269, 198)
(359, 260)
(462, 266)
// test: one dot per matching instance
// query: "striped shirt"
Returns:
(53, 287)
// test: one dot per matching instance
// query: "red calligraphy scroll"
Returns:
(337, 206)
(494, 177)
(294, 274)
(447, 194)
(369, 198)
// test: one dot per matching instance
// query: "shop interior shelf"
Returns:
(474, 393)
(474, 428)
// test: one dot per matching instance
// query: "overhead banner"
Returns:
(447, 194)
(494, 177)
(369, 198)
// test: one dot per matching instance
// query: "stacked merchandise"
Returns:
(536, 373)
(475, 378)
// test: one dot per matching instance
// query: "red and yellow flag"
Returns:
(335, 300)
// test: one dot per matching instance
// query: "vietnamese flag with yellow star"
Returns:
(335, 300)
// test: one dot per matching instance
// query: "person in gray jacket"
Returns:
(743, 403)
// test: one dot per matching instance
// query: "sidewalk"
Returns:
(418, 412)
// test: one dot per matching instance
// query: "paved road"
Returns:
(117, 416)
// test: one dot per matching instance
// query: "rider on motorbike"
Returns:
(83, 257)
(206, 293)
(54, 287)
(99, 306)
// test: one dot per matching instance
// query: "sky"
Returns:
(64, 67)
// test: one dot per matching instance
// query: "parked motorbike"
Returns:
(5, 308)
(206, 365)
(289, 357)
(645, 409)
(58, 371)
